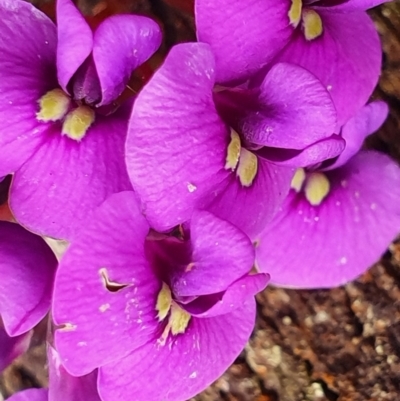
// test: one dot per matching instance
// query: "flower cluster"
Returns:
(240, 161)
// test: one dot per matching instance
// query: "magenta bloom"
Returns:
(232, 152)
(32, 394)
(334, 39)
(338, 219)
(170, 310)
(27, 267)
(60, 133)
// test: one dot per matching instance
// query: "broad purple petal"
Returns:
(27, 47)
(251, 208)
(346, 58)
(291, 110)
(27, 267)
(121, 44)
(12, 347)
(244, 36)
(177, 143)
(368, 120)
(99, 324)
(230, 300)
(75, 41)
(328, 245)
(63, 386)
(32, 394)
(221, 254)
(185, 365)
(66, 180)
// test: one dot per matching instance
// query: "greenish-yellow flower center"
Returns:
(316, 185)
(311, 21)
(242, 160)
(56, 105)
(178, 319)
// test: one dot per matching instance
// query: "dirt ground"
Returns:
(329, 345)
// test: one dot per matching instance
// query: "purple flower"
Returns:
(32, 394)
(337, 220)
(27, 268)
(228, 151)
(11, 347)
(170, 310)
(334, 39)
(60, 133)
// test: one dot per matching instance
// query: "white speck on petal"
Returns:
(191, 188)
(193, 375)
(104, 307)
(343, 260)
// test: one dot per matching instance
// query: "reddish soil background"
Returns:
(328, 345)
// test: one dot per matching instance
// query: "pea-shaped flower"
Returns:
(60, 133)
(161, 316)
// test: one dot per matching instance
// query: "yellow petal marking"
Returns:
(164, 300)
(179, 319)
(233, 151)
(78, 122)
(312, 24)
(53, 105)
(295, 12)
(317, 188)
(298, 179)
(247, 169)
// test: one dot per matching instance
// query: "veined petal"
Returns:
(32, 394)
(241, 48)
(177, 143)
(75, 41)
(221, 254)
(121, 44)
(251, 208)
(27, 268)
(27, 69)
(368, 120)
(338, 240)
(11, 347)
(185, 365)
(233, 298)
(292, 111)
(105, 290)
(66, 180)
(346, 58)
(63, 386)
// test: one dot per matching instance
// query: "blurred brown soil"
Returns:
(329, 345)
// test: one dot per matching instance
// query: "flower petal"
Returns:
(354, 5)
(185, 365)
(11, 347)
(27, 267)
(75, 41)
(333, 243)
(346, 58)
(316, 153)
(221, 254)
(177, 143)
(292, 109)
(368, 120)
(27, 70)
(233, 298)
(102, 321)
(66, 180)
(251, 208)
(241, 48)
(32, 394)
(137, 38)
(63, 386)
